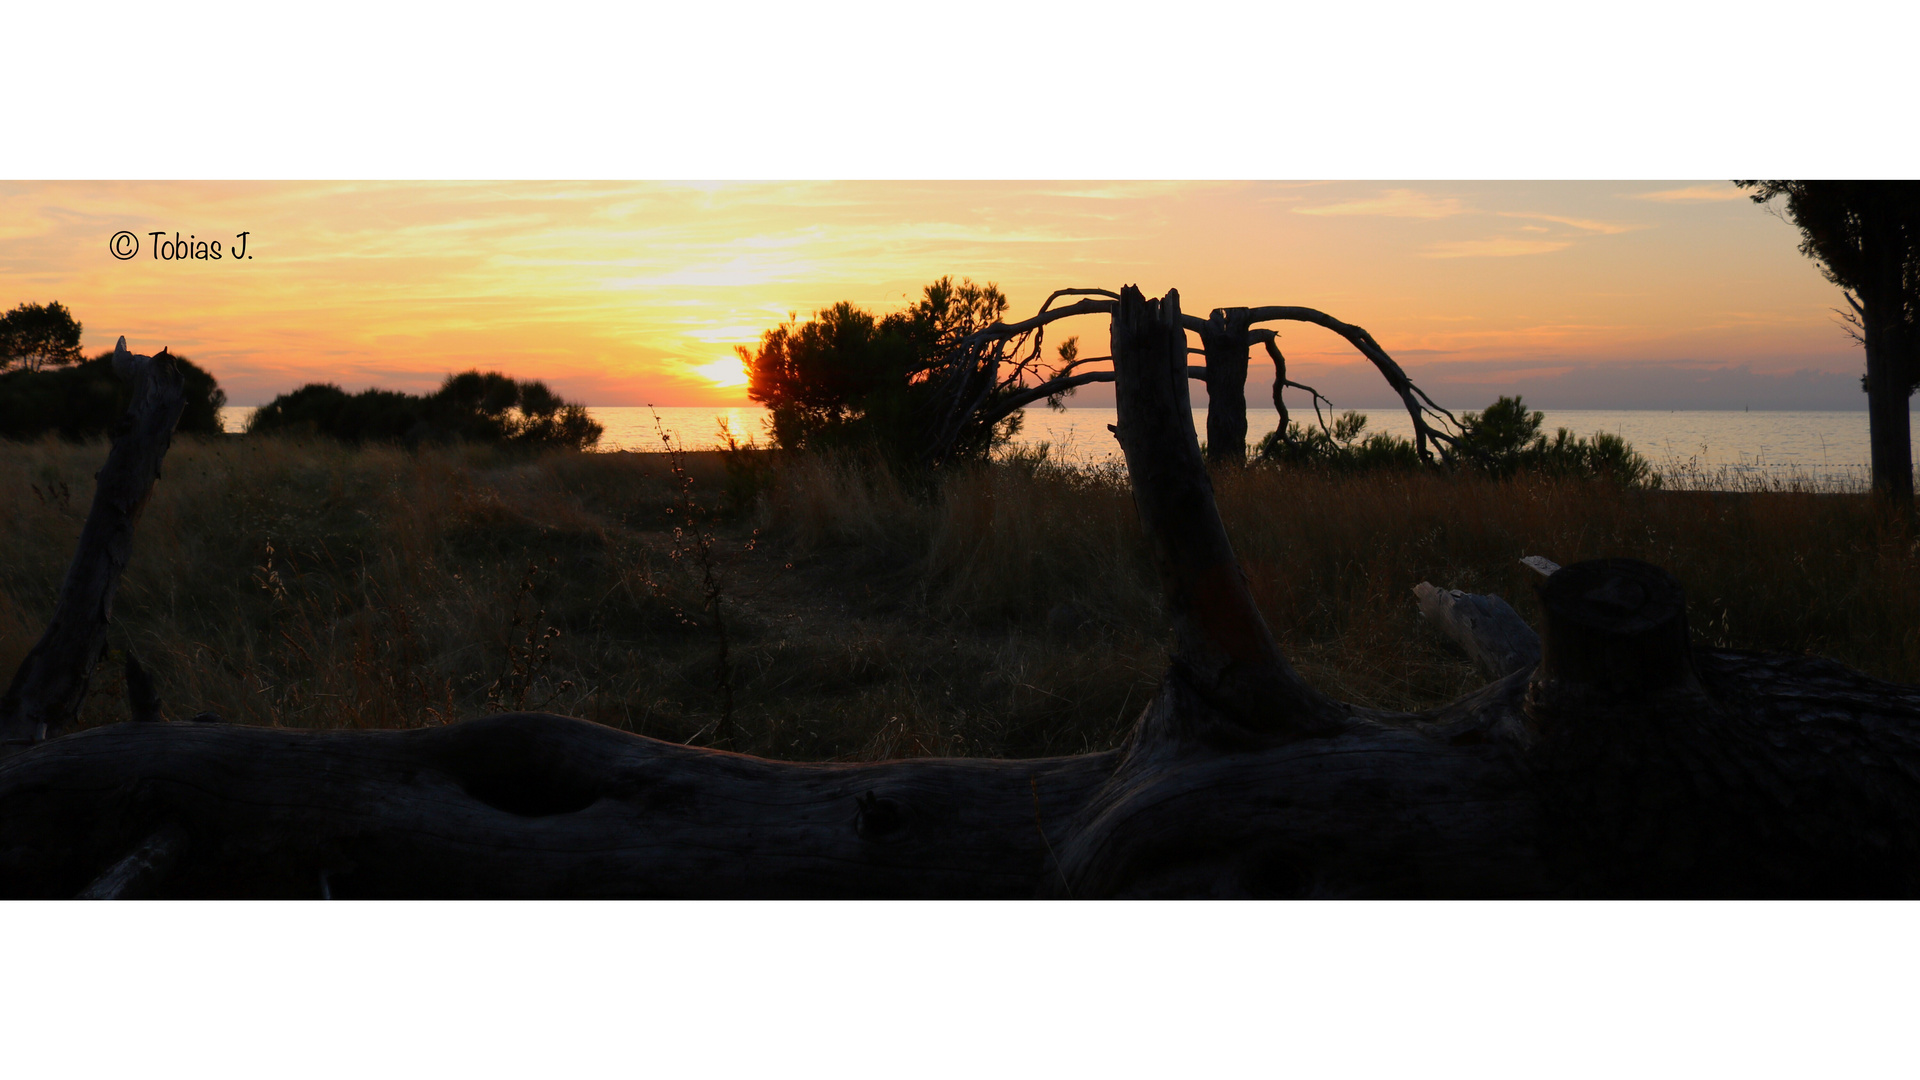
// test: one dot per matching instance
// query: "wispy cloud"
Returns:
(1696, 193)
(1586, 225)
(1127, 189)
(1398, 202)
(1496, 247)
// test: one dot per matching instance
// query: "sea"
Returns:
(1814, 450)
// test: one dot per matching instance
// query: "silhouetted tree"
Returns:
(849, 378)
(1865, 236)
(39, 336)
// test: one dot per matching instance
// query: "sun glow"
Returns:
(726, 374)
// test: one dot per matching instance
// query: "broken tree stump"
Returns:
(46, 690)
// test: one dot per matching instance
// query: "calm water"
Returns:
(1828, 449)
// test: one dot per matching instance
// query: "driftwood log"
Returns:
(1626, 762)
(1485, 627)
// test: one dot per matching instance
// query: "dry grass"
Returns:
(1006, 610)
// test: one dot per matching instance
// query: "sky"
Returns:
(1604, 294)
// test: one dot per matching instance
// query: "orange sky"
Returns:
(1578, 294)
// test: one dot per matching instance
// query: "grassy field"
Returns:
(1005, 610)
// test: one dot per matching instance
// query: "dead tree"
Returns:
(47, 689)
(996, 371)
(1627, 762)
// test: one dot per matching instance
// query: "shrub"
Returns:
(1503, 440)
(86, 399)
(1345, 446)
(485, 408)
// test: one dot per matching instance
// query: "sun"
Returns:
(726, 374)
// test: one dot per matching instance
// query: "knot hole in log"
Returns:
(515, 772)
(879, 818)
(1615, 631)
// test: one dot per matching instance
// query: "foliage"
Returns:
(1865, 237)
(87, 399)
(1502, 441)
(1343, 446)
(847, 378)
(39, 336)
(487, 408)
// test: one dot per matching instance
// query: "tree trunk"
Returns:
(1627, 763)
(1225, 342)
(46, 690)
(1889, 426)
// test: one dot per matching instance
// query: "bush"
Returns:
(485, 408)
(1344, 447)
(87, 399)
(1506, 439)
(1503, 440)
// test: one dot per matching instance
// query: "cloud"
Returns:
(1496, 247)
(1127, 189)
(1696, 193)
(1399, 202)
(1604, 228)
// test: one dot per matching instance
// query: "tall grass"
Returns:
(1004, 609)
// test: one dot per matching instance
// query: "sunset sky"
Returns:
(1669, 294)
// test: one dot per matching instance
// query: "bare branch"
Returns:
(997, 362)
(1004, 331)
(1028, 396)
(1419, 406)
(1058, 293)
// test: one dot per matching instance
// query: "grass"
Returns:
(1004, 610)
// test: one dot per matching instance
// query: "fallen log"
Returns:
(1626, 762)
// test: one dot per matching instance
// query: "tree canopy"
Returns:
(1865, 237)
(849, 378)
(39, 336)
(473, 406)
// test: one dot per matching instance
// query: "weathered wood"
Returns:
(1003, 364)
(47, 688)
(1485, 627)
(1226, 343)
(523, 805)
(136, 876)
(1627, 763)
(1221, 641)
(1616, 631)
(1421, 409)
